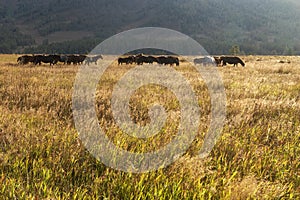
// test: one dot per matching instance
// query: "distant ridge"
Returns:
(76, 26)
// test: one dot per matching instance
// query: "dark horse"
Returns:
(168, 60)
(231, 60)
(23, 60)
(126, 60)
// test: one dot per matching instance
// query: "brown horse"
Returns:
(231, 60)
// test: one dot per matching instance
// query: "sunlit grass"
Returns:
(257, 157)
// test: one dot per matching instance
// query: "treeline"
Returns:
(69, 47)
(11, 38)
(215, 48)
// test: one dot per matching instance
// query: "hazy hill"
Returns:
(256, 26)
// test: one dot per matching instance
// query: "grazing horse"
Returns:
(93, 59)
(168, 60)
(126, 60)
(52, 59)
(150, 59)
(145, 59)
(231, 60)
(218, 60)
(172, 60)
(207, 60)
(75, 59)
(23, 60)
(63, 58)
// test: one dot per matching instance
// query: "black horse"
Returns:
(52, 59)
(126, 60)
(168, 60)
(23, 60)
(145, 59)
(231, 60)
(75, 59)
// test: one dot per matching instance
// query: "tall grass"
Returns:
(257, 157)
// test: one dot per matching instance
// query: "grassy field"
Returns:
(257, 156)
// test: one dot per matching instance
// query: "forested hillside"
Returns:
(76, 26)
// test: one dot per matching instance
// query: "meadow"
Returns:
(257, 156)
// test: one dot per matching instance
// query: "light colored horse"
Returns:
(205, 61)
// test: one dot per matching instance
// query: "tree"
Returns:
(235, 50)
(288, 51)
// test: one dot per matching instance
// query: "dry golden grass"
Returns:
(257, 156)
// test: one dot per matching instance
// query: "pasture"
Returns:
(257, 156)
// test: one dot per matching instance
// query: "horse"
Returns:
(23, 60)
(75, 59)
(126, 60)
(92, 59)
(207, 60)
(52, 59)
(218, 60)
(168, 60)
(231, 60)
(145, 59)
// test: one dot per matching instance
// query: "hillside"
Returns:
(71, 26)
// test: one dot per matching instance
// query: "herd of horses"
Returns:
(171, 60)
(54, 59)
(138, 59)
(141, 59)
